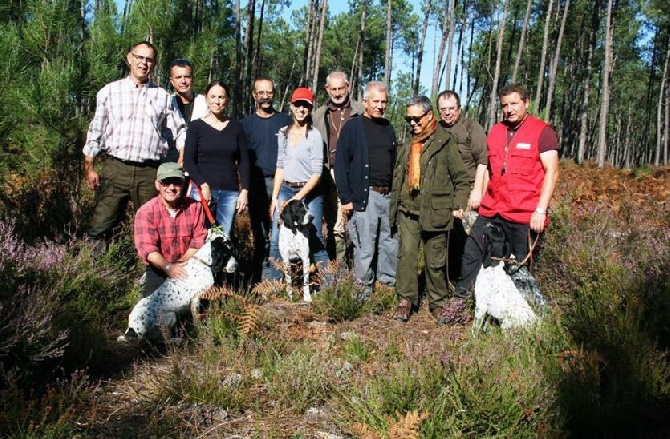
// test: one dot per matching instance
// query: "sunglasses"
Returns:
(303, 104)
(181, 62)
(415, 119)
(172, 181)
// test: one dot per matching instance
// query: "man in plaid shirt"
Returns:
(133, 123)
(169, 228)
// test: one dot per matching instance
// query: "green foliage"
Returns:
(51, 415)
(356, 350)
(614, 305)
(300, 379)
(494, 386)
(340, 300)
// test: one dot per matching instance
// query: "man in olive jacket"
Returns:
(430, 187)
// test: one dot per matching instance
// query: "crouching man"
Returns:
(169, 229)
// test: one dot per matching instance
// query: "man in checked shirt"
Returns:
(134, 121)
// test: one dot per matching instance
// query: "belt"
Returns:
(295, 185)
(145, 164)
(384, 190)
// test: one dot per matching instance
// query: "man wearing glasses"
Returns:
(133, 123)
(471, 141)
(430, 187)
(169, 229)
(261, 128)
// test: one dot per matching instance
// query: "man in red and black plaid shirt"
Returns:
(169, 228)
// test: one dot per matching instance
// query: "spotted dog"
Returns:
(160, 309)
(496, 294)
(294, 243)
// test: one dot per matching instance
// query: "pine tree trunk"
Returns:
(459, 51)
(319, 43)
(522, 39)
(422, 42)
(249, 46)
(584, 116)
(389, 43)
(437, 68)
(543, 57)
(553, 69)
(359, 76)
(496, 73)
(667, 125)
(605, 101)
(660, 135)
(450, 43)
(258, 61)
(237, 91)
(309, 36)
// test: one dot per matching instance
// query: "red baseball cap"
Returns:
(302, 94)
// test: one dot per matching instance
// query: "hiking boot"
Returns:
(403, 311)
(454, 313)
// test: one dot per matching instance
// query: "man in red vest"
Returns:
(522, 175)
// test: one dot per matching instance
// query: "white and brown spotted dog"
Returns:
(294, 236)
(160, 309)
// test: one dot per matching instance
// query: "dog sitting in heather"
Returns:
(294, 235)
(504, 297)
(174, 297)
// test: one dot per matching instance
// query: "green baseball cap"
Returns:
(169, 170)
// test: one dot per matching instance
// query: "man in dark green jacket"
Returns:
(431, 186)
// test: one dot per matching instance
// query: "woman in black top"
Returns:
(215, 154)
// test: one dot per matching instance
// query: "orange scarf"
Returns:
(414, 168)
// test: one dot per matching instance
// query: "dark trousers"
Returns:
(336, 244)
(260, 192)
(410, 237)
(154, 279)
(516, 235)
(120, 183)
(457, 240)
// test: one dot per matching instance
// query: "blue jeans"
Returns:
(314, 203)
(224, 210)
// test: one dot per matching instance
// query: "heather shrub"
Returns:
(300, 379)
(44, 203)
(340, 301)
(607, 275)
(344, 300)
(58, 305)
(52, 414)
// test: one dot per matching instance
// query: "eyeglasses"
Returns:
(415, 119)
(181, 62)
(146, 59)
(166, 182)
(447, 110)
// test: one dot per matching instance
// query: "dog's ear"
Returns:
(495, 244)
(218, 255)
(288, 215)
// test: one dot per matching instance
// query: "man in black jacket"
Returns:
(366, 152)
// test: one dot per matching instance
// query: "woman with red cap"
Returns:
(299, 167)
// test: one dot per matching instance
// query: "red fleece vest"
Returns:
(517, 173)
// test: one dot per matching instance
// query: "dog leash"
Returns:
(208, 212)
(531, 248)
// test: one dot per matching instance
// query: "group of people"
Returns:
(342, 160)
